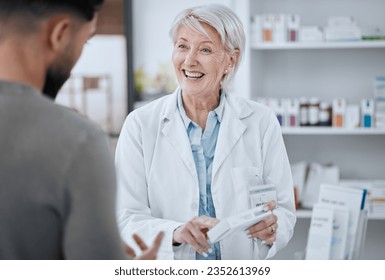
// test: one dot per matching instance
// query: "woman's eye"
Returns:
(181, 46)
(206, 50)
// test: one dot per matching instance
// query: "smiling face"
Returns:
(200, 62)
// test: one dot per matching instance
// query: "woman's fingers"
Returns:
(190, 239)
(207, 222)
(265, 229)
(195, 236)
(270, 240)
(265, 223)
(194, 232)
(270, 205)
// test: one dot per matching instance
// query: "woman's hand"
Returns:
(194, 232)
(266, 230)
(147, 253)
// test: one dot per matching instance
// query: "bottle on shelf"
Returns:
(292, 112)
(303, 111)
(279, 110)
(267, 25)
(325, 114)
(293, 25)
(339, 107)
(314, 111)
(367, 109)
(256, 29)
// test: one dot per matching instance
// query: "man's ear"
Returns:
(59, 33)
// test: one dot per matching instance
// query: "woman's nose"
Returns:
(191, 58)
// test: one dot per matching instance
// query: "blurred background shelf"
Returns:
(306, 214)
(319, 45)
(331, 131)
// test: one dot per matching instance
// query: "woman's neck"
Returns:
(198, 107)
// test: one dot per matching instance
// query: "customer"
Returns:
(186, 160)
(57, 184)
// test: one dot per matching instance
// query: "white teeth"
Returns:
(193, 75)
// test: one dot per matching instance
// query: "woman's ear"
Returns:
(234, 57)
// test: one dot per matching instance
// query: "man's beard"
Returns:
(57, 74)
(54, 80)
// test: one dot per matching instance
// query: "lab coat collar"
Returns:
(232, 128)
(171, 106)
(239, 107)
(174, 130)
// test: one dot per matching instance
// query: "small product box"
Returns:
(238, 223)
(380, 120)
(310, 34)
(339, 109)
(352, 119)
(367, 112)
(342, 29)
(379, 100)
(342, 21)
(279, 29)
(342, 33)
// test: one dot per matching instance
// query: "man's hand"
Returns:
(147, 253)
(194, 232)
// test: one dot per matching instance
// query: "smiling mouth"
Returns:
(193, 75)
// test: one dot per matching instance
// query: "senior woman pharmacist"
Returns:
(185, 161)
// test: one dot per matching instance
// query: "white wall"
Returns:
(104, 55)
(152, 21)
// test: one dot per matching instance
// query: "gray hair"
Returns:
(224, 21)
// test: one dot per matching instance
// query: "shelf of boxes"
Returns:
(327, 69)
(319, 45)
(331, 131)
(303, 213)
(306, 214)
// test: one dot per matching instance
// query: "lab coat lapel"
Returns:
(175, 132)
(231, 130)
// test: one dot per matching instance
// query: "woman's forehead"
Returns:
(188, 32)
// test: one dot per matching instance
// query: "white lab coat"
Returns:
(158, 183)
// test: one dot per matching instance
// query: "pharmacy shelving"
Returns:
(303, 213)
(326, 70)
(319, 45)
(306, 214)
(331, 131)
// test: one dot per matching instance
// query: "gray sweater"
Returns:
(57, 182)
